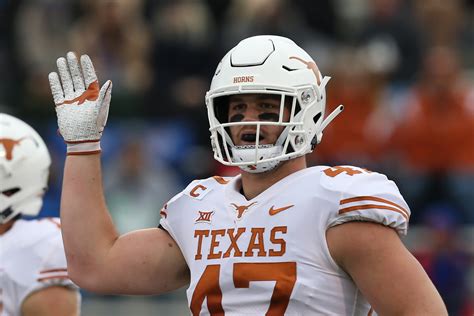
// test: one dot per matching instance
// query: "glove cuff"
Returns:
(83, 148)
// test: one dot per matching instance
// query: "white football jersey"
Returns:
(31, 258)
(269, 255)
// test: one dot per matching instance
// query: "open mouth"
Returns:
(251, 137)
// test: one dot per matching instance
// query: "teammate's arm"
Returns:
(388, 275)
(51, 301)
(142, 262)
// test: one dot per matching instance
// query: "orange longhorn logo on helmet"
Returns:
(310, 65)
(241, 79)
(9, 144)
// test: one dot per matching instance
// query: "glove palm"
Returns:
(81, 108)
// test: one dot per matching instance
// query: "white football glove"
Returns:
(81, 108)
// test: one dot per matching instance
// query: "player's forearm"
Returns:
(88, 230)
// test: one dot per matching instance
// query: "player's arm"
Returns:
(143, 262)
(51, 301)
(388, 275)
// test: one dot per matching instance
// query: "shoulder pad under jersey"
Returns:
(196, 190)
(366, 196)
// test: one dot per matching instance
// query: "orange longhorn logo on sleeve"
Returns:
(241, 208)
(9, 144)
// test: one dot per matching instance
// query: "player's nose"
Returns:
(251, 113)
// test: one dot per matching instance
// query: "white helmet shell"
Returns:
(269, 65)
(24, 169)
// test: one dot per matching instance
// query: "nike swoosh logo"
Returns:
(273, 211)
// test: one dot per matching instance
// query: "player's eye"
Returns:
(269, 106)
(238, 106)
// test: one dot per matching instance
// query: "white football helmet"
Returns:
(268, 65)
(24, 169)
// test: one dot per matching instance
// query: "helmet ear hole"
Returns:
(316, 118)
(290, 149)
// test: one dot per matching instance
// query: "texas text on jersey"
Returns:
(271, 252)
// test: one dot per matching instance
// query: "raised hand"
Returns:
(81, 108)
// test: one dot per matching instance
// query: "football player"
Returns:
(33, 273)
(280, 238)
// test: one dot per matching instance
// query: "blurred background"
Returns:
(403, 69)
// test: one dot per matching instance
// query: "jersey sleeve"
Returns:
(197, 190)
(168, 209)
(177, 216)
(371, 196)
(53, 269)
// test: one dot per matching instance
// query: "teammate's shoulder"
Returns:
(36, 229)
(36, 243)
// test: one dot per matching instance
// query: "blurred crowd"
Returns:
(404, 69)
